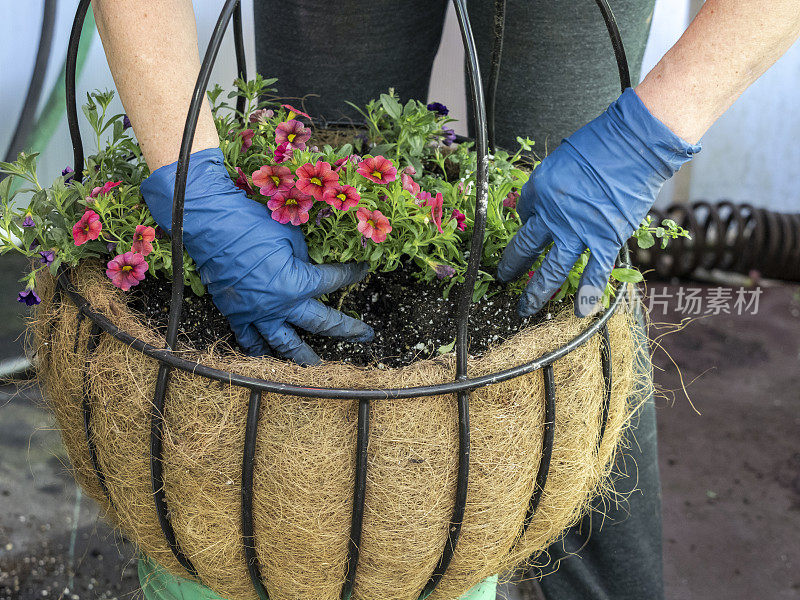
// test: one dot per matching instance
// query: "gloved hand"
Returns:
(593, 191)
(256, 269)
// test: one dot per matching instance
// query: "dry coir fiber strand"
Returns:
(305, 454)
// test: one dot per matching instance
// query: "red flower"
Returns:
(247, 139)
(290, 207)
(107, 187)
(436, 207)
(273, 180)
(342, 197)
(378, 169)
(88, 228)
(373, 225)
(142, 240)
(408, 182)
(460, 218)
(283, 153)
(292, 109)
(242, 182)
(314, 179)
(510, 201)
(294, 133)
(126, 270)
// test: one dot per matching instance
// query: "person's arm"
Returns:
(725, 49)
(151, 47)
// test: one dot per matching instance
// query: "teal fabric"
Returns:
(159, 584)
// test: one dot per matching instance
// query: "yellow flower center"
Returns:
(371, 223)
(290, 202)
(127, 268)
(341, 197)
(291, 137)
(377, 174)
(290, 116)
(316, 181)
(276, 179)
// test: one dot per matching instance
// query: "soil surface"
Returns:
(411, 319)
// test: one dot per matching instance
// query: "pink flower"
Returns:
(290, 207)
(107, 187)
(247, 139)
(314, 179)
(435, 202)
(292, 109)
(273, 180)
(341, 197)
(88, 228)
(126, 270)
(242, 182)
(283, 153)
(510, 201)
(262, 114)
(373, 225)
(378, 169)
(294, 133)
(460, 218)
(408, 182)
(142, 240)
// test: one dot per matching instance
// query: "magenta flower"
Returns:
(408, 182)
(262, 114)
(47, 256)
(28, 221)
(292, 109)
(294, 133)
(273, 180)
(438, 108)
(106, 187)
(247, 139)
(283, 153)
(28, 297)
(460, 218)
(126, 270)
(142, 240)
(315, 179)
(342, 197)
(435, 202)
(243, 183)
(373, 225)
(378, 169)
(87, 228)
(291, 207)
(510, 201)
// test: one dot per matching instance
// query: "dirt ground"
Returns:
(731, 474)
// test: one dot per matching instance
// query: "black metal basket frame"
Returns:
(483, 115)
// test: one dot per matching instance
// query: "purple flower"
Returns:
(34, 245)
(28, 297)
(449, 136)
(47, 256)
(439, 108)
(111, 247)
(324, 214)
(28, 221)
(66, 171)
(363, 242)
(126, 122)
(444, 271)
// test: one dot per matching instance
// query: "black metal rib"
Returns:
(548, 437)
(241, 64)
(248, 462)
(498, 32)
(605, 361)
(359, 494)
(91, 345)
(616, 42)
(69, 86)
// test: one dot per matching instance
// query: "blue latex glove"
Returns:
(593, 191)
(256, 269)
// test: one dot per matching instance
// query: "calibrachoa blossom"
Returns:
(378, 169)
(104, 189)
(29, 297)
(460, 218)
(323, 214)
(262, 114)
(28, 221)
(283, 153)
(243, 183)
(88, 228)
(111, 247)
(510, 201)
(126, 270)
(291, 207)
(439, 108)
(292, 109)
(444, 271)
(408, 182)
(272, 180)
(142, 240)
(126, 122)
(315, 179)
(435, 202)
(247, 139)
(294, 133)
(449, 136)
(373, 225)
(342, 197)
(47, 256)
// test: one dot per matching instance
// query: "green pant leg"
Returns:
(159, 584)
